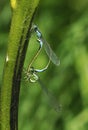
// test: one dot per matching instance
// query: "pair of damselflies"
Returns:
(31, 72)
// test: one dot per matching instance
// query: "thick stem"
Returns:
(23, 12)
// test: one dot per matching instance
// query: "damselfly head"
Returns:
(34, 27)
(33, 78)
(31, 75)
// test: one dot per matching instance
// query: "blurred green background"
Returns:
(64, 24)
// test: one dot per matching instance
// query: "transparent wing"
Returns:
(52, 101)
(50, 53)
(47, 47)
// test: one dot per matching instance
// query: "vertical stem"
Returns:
(23, 12)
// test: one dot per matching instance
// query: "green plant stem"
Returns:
(23, 12)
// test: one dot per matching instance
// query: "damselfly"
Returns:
(47, 47)
(52, 56)
(33, 77)
(31, 72)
